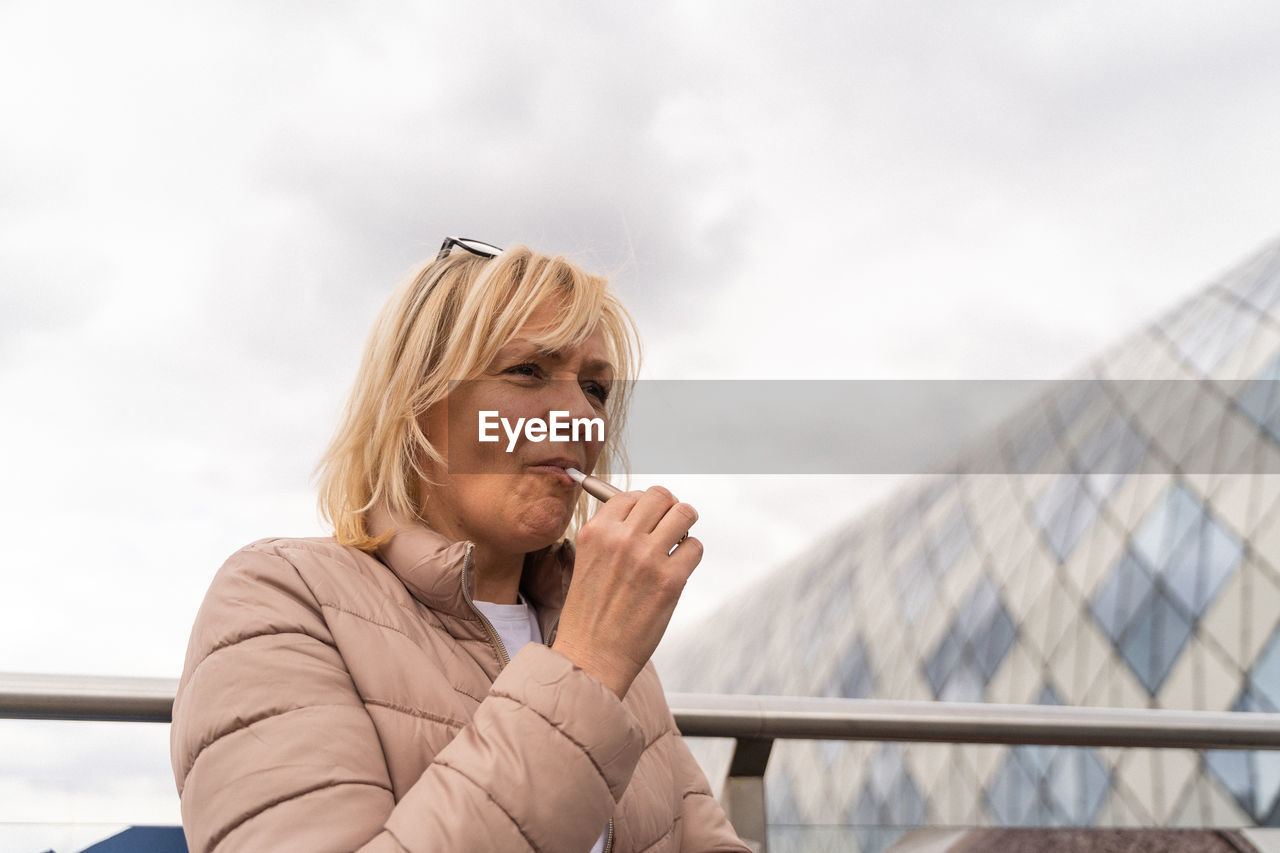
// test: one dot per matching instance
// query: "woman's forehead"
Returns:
(593, 351)
(544, 325)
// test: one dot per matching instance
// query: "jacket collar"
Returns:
(438, 571)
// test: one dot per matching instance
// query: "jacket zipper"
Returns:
(504, 658)
(494, 639)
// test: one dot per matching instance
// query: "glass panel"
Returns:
(906, 518)
(852, 678)
(1066, 511)
(906, 806)
(889, 797)
(1164, 527)
(1251, 701)
(972, 649)
(1232, 769)
(1083, 516)
(916, 586)
(832, 752)
(1259, 399)
(1154, 640)
(1043, 813)
(1061, 491)
(780, 799)
(1186, 514)
(965, 683)
(1037, 758)
(1100, 447)
(1030, 443)
(1075, 399)
(886, 766)
(1062, 783)
(976, 611)
(1272, 422)
(930, 494)
(1149, 537)
(943, 545)
(1012, 794)
(944, 660)
(1220, 552)
(1129, 450)
(1120, 597)
(1049, 786)
(1097, 784)
(865, 812)
(870, 840)
(1181, 576)
(950, 542)
(1102, 483)
(990, 648)
(1221, 329)
(1114, 451)
(1266, 774)
(1198, 569)
(1265, 677)
(1078, 782)
(833, 608)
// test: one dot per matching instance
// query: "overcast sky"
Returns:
(203, 206)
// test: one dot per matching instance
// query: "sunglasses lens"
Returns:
(476, 247)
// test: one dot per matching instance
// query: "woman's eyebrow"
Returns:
(598, 365)
(526, 346)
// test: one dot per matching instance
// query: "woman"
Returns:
(445, 673)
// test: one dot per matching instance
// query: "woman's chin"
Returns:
(544, 522)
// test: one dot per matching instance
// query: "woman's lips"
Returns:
(556, 471)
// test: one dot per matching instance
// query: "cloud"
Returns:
(201, 210)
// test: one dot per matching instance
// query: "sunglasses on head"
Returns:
(475, 247)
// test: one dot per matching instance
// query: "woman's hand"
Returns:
(626, 582)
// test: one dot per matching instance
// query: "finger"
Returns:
(687, 555)
(618, 507)
(649, 510)
(675, 525)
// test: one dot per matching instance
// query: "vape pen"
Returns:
(599, 489)
(594, 486)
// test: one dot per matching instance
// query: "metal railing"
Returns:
(754, 722)
(87, 697)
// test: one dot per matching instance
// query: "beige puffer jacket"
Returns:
(334, 701)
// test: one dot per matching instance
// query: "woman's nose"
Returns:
(569, 396)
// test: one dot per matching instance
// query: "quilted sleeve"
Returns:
(272, 748)
(704, 827)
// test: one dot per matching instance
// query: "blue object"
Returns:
(143, 839)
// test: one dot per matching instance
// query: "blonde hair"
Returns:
(444, 324)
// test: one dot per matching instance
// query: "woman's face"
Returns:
(516, 500)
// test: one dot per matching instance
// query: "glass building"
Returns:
(1115, 543)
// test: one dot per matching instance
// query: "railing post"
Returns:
(743, 795)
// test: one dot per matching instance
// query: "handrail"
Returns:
(87, 697)
(82, 697)
(771, 717)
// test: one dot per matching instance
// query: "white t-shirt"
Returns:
(516, 625)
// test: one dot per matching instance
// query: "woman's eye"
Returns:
(595, 389)
(528, 368)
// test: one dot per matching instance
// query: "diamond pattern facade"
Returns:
(1048, 786)
(1125, 552)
